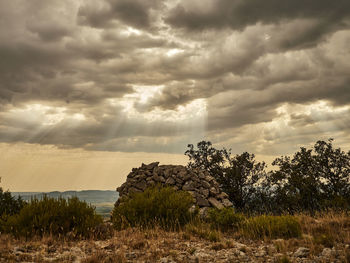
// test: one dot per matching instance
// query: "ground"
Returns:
(134, 245)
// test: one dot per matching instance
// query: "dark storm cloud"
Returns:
(328, 16)
(136, 13)
(136, 75)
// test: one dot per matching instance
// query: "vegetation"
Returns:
(163, 206)
(312, 180)
(272, 227)
(57, 217)
(203, 230)
(9, 205)
(225, 219)
(310, 189)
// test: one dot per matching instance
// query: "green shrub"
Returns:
(54, 216)
(203, 230)
(9, 205)
(326, 240)
(163, 206)
(272, 227)
(283, 259)
(225, 219)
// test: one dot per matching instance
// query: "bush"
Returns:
(163, 206)
(272, 227)
(225, 219)
(203, 230)
(54, 216)
(9, 205)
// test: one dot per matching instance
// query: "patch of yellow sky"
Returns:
(30, 167)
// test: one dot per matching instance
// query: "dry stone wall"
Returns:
(203, 187)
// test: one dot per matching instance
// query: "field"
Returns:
(325, 238)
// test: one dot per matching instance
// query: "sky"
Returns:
(90, 89)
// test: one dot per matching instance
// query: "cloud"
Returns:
(319, 17)
(155, 75)
(136, 13)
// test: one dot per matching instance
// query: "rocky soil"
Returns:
(203, 187)
(158, 246)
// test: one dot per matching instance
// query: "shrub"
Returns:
(283, 259)
(8, 204)
(163, 206)
(8, 207)
(272, 227)
(225, 219)
(326, 240)
(54, 216)
(203, 230)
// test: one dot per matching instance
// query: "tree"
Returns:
(242, 178)
(313, 179)
(333, 166)
(207, 158)
(238, 176)
(8, 204)
(296, 184)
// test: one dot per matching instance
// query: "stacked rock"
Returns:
(203, 187)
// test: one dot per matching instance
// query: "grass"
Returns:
(261, 227)
(327, 228)
(202, 230)
(225, 219)
(190, 242)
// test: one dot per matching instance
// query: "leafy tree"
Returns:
(241, 179)
(238, 176)
(208, 158)
(333, 166)
(8, 204)
(313, 179)
(296, 184)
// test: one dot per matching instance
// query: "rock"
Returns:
(202, 201)
(170, 181)
(195, 181)
(326, 252)
(213, 191)
(227, 203)
(134, 190)
(142, 185)
(205, 184)
(150, 166)
(182, 175)
(159, 179)
(223, 196)
(209, 178)
(302, 252)
(179, 180)
(188, 186)
(215, 203)
(204, 192)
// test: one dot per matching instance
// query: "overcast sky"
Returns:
(98, 82)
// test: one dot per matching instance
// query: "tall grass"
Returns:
(271, 227)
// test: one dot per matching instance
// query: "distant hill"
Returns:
(102, 200)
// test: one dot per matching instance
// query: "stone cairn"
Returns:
(203, 187)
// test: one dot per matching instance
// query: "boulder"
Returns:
(203, 187)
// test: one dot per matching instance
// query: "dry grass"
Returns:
(150, 245)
